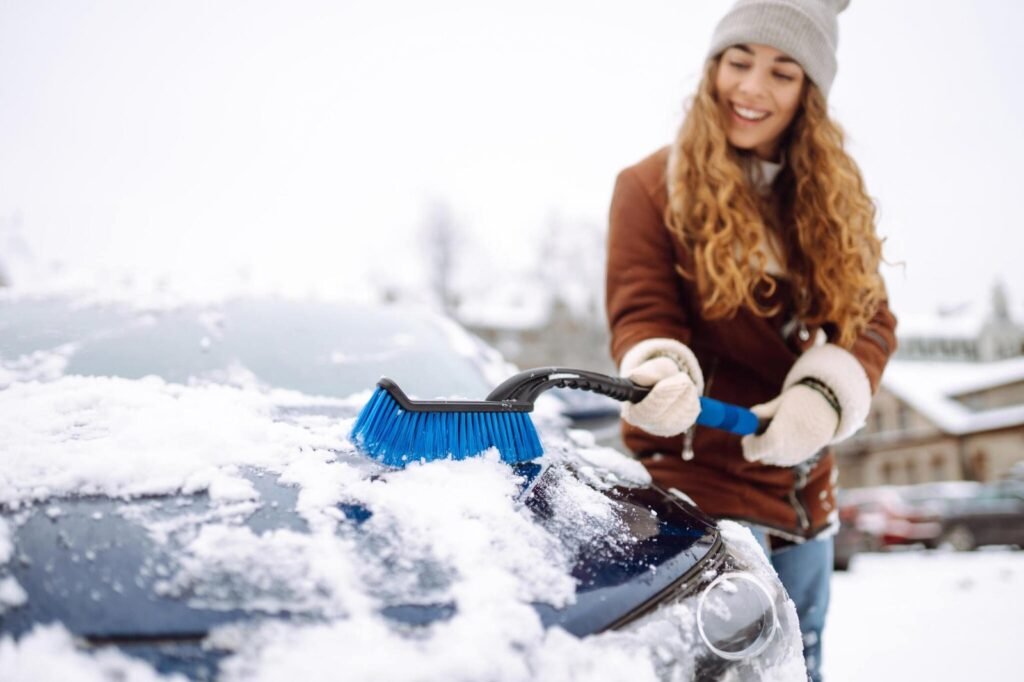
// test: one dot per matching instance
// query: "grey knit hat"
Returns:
(806, 30)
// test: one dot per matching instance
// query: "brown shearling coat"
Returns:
(744, 360)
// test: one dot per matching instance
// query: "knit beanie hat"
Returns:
(806, 30)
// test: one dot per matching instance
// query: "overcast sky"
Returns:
(299, 143)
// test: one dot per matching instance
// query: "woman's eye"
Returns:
(784, 77)
(739, 65)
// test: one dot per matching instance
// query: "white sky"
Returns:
(299, 143)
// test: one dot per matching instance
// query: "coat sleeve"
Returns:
(643, 290)
(876, 344)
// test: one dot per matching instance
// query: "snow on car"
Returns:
(179, 498)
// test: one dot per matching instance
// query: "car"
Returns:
(972, 514)
(180, 498)
(879, 518)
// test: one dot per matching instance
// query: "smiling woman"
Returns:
(743, 263)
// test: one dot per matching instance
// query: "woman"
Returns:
(743, 264)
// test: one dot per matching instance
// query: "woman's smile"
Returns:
(748, 115)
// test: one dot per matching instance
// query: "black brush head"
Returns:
(411, 405)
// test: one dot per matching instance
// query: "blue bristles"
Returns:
(396, 436)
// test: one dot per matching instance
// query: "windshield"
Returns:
(327, 349)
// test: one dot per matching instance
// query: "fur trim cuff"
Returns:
(679, 353)
(842, 372)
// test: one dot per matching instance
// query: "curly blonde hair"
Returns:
(819, 210)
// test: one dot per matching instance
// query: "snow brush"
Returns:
(396, 430)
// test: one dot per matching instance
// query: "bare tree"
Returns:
(441, 236)
(12, 245)
(571, 266)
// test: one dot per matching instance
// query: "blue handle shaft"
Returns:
(732, 418)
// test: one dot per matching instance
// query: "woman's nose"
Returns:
(752, 83)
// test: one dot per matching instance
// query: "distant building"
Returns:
(534, 327)
(963, 333)
(951, 404)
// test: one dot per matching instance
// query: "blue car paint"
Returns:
(92, 569)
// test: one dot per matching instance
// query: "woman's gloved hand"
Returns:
(672, 370)
(802, 423)
(825, 399)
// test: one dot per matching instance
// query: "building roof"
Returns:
(963, 323)
(932, 387)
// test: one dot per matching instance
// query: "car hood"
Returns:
(165, 543)
(113, 569)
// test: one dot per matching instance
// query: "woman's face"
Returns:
(759, 91)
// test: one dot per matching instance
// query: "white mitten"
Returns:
(825, 399)
(802, 423)
(672, 370)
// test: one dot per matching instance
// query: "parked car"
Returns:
(878, 518)
(178, 495)
(973, 514)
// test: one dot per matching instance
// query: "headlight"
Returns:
(736, 616)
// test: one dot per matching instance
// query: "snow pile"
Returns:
(126, 438)
(49, 653)
(37, 366)
(584, 521)
(439, 533)
(459, 523)
(505, 644)
(495, 638)
(229, 566)
(604, 466)
(12, 595)
(443, 532)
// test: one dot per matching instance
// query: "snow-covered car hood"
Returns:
(153, 511)
(237, 524)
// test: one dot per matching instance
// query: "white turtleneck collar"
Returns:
(760, 173)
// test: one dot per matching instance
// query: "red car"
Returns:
(872, 519)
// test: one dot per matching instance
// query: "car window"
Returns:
(325, 349)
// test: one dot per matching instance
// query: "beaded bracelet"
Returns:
(826, 392)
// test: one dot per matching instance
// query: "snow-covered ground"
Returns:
(937, 616)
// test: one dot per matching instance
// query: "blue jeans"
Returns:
(805, 571)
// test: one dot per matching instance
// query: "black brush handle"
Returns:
(526, 386)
